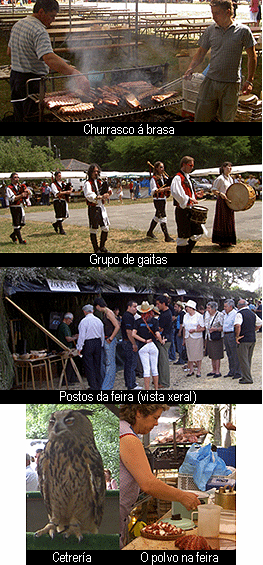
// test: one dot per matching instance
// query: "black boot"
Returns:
(166, 234)
(93, 239)
(19, 236)
(182, 249)
(190, 245)
(103, 239)
(60, 227)
(55, 226)
(13, 237)
(150, 230)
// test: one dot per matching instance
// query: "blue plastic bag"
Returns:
(202, 463)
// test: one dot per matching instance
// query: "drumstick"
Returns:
(218, 192)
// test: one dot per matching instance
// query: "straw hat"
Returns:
(145, 307)
(191, 304)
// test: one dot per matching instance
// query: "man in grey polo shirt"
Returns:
(32, 56)
(218, 94)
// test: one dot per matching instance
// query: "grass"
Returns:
(41, 238)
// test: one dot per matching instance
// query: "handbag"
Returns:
(215, 336)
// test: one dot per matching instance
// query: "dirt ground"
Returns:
(179, 381)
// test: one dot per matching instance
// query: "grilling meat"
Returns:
(108, 96)
(132, 101)
(63, 99)
(77, 109)
(136, 84)
(162, 97)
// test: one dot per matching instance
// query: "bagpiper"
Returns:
(159, 194)
(17, 195)
(61, 193)
(95, 193)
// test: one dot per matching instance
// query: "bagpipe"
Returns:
(63, 187)
(22, 189)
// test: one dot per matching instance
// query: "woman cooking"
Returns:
(135, 470)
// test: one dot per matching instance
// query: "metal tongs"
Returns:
(172, 82)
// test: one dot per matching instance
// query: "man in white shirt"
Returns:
(184, 197)
(90, 341)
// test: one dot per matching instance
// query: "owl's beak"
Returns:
(59, 428)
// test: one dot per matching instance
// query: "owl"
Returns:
(71, 476)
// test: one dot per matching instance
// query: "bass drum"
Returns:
(241, 196)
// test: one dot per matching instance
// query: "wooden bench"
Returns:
(92, 47)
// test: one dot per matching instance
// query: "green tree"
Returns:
(19, 155)
(105, 427)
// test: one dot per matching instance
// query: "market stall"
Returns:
(184, 458)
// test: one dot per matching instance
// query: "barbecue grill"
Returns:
(49, 86)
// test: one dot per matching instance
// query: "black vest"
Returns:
(248, 326)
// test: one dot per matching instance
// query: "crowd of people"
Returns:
(151, 335)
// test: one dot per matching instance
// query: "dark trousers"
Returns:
(130, 364)
(28, 109)
(92, 361)
(245, 353)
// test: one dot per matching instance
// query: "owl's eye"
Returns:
(52, 421)
(70, 420)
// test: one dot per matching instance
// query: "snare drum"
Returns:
(199, 214)
(242, 196)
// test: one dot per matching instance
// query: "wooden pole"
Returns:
(51, 336)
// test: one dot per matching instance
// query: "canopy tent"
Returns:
(235, 170)
(72, 174)
(87, 288)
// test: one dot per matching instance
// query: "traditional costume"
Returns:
(159, 200)
(188, 231)
(17, 210)
(224, 222)
(97, 214)
(60, 205)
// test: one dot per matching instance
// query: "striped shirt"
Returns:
(29, 41)
(129, 488)
(226, 50)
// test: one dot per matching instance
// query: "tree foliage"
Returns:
(127, 153)
(20, 155)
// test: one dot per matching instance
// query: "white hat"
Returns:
(145, 307)
(191, 304)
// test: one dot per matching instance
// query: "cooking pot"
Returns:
(226, 499)
(179, 511)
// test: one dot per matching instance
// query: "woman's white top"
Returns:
(191, 323)
(222, 183)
